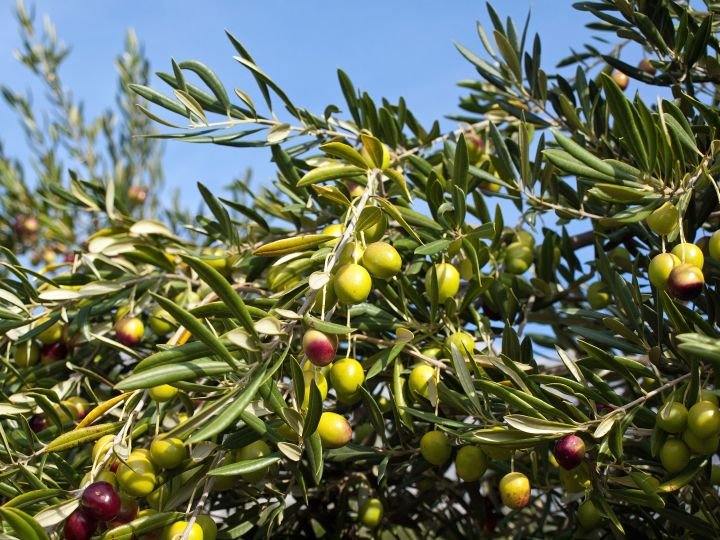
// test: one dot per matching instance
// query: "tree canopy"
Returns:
(509, 329)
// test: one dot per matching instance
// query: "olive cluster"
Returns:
(689, 431)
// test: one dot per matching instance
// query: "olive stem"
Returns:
(653, 393)
(207, 489)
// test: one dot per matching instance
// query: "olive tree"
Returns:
(506, 329)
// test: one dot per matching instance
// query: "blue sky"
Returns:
(388, 48)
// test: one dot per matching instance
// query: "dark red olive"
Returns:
(79, 525)
(128, 512)
(569, 451)
(52, 352)
(38, 422)
(686, 282)
(101, 500)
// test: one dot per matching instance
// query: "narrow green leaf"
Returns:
(327, 327)
(171, 373)
(312, 419)
(157, 98)
(463, 374)
(350, 95)
(245, 466)
(314, 452)
(376, 417)
(535, 426)
(210, 79)
(394, 212)
(229, 414)
(192, 105)
(509, 55)
(224, 290)
(433, 247)
(346, 152)
(220, 213)
(23, 525)
(625, 122)
(261, 76)
(329, 172)
(80, 436)
(185, 318)
(297, 243)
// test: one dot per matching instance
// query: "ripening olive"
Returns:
(319, 348)
(320, 382)
(462, 340)
(686, 282)
(208, 526)
(137, 476)
(336, 230)
(515, 490)
(375, 232)
(518, 257)
(129, 331)
(620, 79)
(705, 446)
(334, 430)
(709, 395)
(254, 450)
(646, 66)
(176, 530)
(102, 445)
(51, 334)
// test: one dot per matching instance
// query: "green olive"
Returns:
(664, 220)
(352, 284)
(382, 260)
(470, 463)
(704, 419)
(447, 281)
(660, 268)
(371, 513)
(674, 455)
(598, 295)
(435, 447)
(167, 452)
(672, 417)
(419, 380)
(690, 254)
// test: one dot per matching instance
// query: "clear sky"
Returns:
(390, 49)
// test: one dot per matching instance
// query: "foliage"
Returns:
(554, 354)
